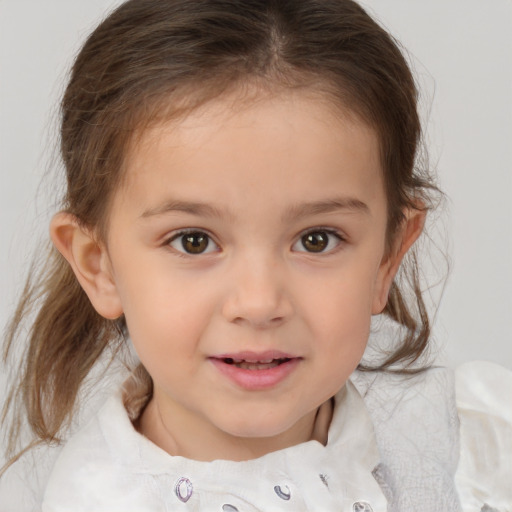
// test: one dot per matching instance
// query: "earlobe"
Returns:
(89, 261)
(411, 229)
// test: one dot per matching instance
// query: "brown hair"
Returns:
(156, 58)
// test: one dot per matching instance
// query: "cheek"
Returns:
(165, 312)
(340, 310)
(343, 297)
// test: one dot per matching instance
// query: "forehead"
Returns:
(281, 146)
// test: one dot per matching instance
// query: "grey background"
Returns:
(461, 51)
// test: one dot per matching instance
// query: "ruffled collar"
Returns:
(321, 477)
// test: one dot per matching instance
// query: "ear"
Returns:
(90, 263)
(410, 230)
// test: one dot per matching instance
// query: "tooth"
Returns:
(245, 365)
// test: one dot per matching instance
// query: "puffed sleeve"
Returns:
(484, 404)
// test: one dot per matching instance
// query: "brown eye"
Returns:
(316, 241)
(193, 242)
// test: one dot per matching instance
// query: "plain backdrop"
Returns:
(461, 51)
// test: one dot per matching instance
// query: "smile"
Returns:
(252, 371)
(256, 365)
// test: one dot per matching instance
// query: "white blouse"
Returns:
(484, 402)
(97, 472)
(397, 444)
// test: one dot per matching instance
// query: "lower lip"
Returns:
(255, 380)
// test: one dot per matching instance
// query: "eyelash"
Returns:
(209, 241)
(181, 236)
(331, 233)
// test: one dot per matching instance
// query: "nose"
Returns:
(258, 294)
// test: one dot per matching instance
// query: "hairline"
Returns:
(174, 105)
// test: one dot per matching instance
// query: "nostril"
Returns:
(258, 310)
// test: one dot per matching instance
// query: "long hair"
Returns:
(152, 60)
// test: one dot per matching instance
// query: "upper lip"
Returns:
(249, 356)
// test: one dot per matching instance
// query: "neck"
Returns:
(182, 436)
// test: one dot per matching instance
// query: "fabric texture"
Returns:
(484, 400)
(416, 428)
(96, 472)
(393, 446)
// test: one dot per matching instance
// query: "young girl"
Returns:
(242, 197)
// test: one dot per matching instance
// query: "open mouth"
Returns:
(255, 365)
(255, 371)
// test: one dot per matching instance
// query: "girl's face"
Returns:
(247, 250)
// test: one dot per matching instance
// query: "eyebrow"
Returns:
(297, 211)
(327, 206)
(190, 207)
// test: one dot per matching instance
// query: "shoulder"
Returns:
(484, 475)
(460, 421)
(98, 466)
(83, 463)
(22, 485)
(419, 409)
(416, 428)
